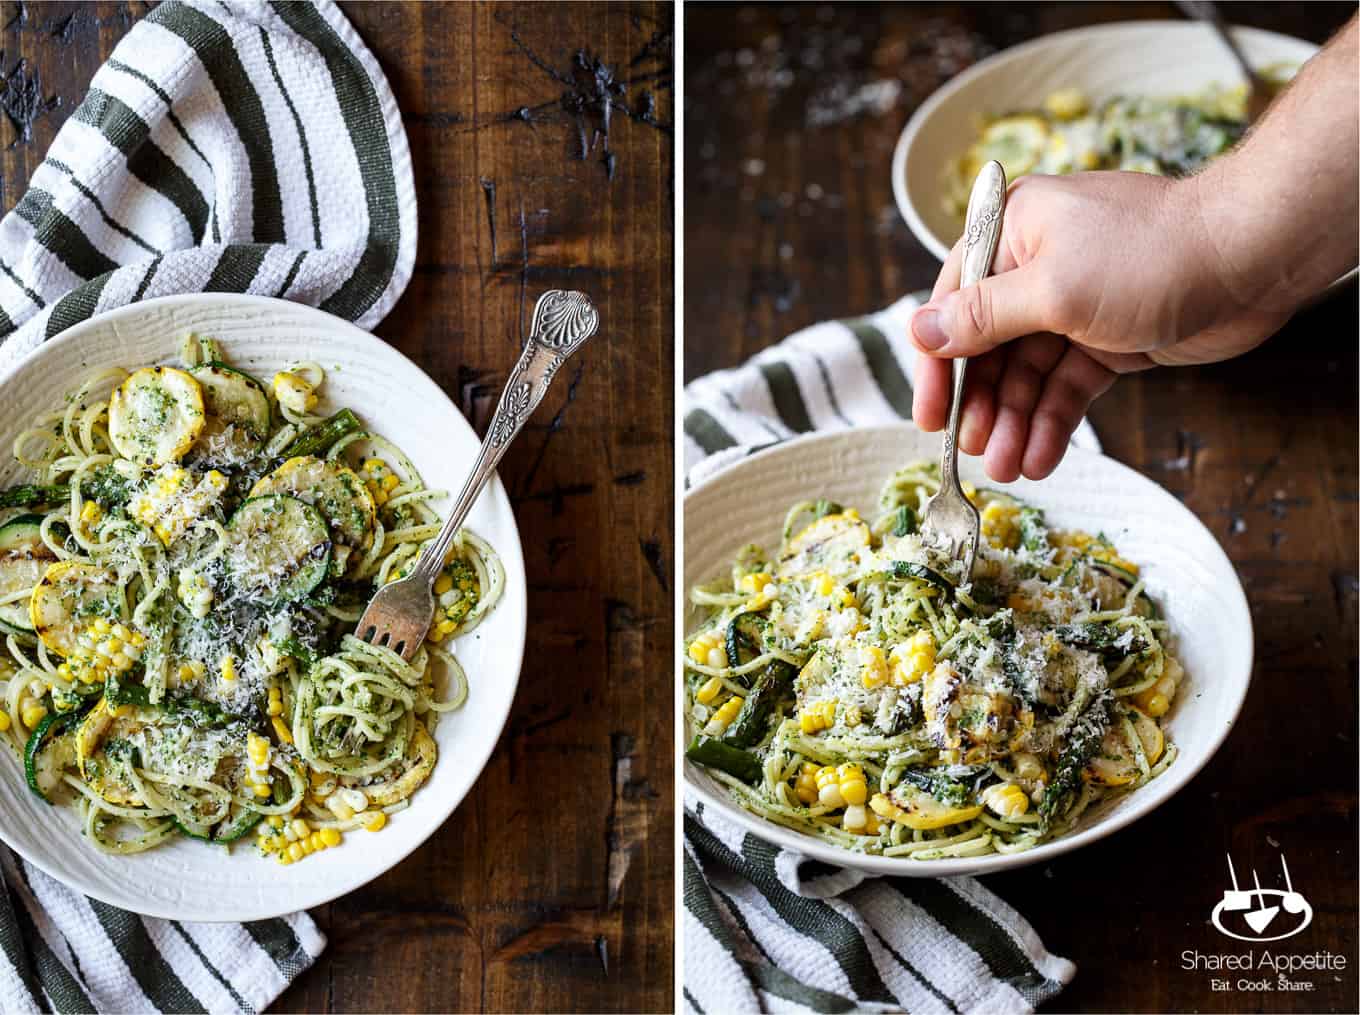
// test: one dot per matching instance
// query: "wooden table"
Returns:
(789, 219)
(551, 886)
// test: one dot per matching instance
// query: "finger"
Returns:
(931, 378)
(930, 393)
(971, 321)
(979, 401)
(1069, 390)
(1017, 393)
(948, 278)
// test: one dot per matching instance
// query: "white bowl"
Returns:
(186, 880)
(1185, 570)
(1131, 57)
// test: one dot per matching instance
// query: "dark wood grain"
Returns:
(551, 886)
(788, 223)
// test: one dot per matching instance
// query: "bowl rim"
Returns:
(907, 208)
(355, 876)
(1139, 805)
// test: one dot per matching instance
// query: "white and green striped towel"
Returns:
(225, 146)
(767, 929)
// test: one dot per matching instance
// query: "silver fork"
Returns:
(399, 616)
(1258, 95)
(949, 514)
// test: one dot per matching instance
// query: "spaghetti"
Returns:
(176, 578)
(855, 688)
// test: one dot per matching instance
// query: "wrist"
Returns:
(1214, 274)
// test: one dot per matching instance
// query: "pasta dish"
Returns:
(851, 686)
(1168, 136)
(178, 575)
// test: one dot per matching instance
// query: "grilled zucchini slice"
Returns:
(833, 543)
(334, 490)
(23, 559)
(67, 597)
(424, 755)
(280, 547)
(233, 397)
(919, 810)
(156, 415)
(1017, 142)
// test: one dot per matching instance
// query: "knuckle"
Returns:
(974, 316)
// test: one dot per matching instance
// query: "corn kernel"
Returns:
(1157, 706)
(723, 717)
(375, 821)
(709, 691)
(999, 524)
(261, 790)
(275, 707)
(275, 821)
(229, 667)
(874, 667)
(4, 722)
(1006, 800)
(332, 836)
(854, 819)
(707, 649)
(32, 715)
(317, 840)
(754, 582)
(442, 584)
(853, 788)
(805, 788)
(828, 788)
(818, 716)
(295, 852)
(257, 747)
(913, 658)
(281, 730)
(337, 806)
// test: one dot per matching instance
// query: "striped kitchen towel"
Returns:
(225, 146)
(767, 929)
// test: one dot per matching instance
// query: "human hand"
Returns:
(1095, 275)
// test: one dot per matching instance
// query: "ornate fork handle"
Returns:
(981, 234)
(562, 322)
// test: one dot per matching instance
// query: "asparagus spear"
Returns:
(317, 438)
(712, 753)
(33, 493)
(774, 684)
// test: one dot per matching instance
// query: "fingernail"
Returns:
(926, 327)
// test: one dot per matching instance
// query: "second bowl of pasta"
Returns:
(848, 694)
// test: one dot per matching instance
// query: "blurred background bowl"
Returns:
(1135, 57)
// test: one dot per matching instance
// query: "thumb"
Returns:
(969, 322)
